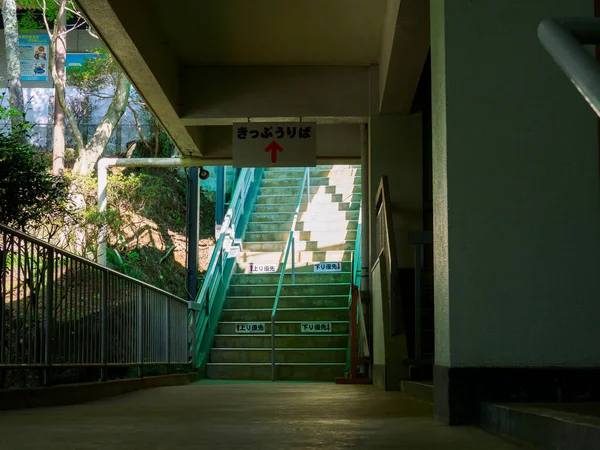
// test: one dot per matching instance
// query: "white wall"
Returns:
(516, 191)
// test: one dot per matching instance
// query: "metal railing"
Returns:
(216, 269)
(290, 246)
(59, 310)
(358, 348)
(563, 40)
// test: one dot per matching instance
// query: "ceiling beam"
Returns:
(213, 95)
(133, 36)
(403, 52)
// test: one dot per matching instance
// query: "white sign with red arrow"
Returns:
(274, 144)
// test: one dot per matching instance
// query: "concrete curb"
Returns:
(69, 394)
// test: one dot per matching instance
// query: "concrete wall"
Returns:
(516, 198)
(396, 150)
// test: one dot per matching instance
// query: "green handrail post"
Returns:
(289, 246)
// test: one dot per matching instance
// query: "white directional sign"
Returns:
(250, 328)
(328, 267)
(263, 268)
(275, 144)
(316, 327)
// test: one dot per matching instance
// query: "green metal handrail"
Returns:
(289, 246)
(216, 268)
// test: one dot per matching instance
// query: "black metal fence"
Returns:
(58, 310)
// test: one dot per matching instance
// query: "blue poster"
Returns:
(35, 50)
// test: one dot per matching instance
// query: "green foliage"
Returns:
(31, 16)
(29, 194)
(95, 74)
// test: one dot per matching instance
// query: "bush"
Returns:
(29, 193)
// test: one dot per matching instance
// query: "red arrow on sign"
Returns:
(274, 147)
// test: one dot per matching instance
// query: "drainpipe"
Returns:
(105, 163)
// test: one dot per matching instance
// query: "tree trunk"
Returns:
(60, 89)
(58, 151)
(89, 155)
(13, 60)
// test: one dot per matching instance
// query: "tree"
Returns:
(89, 152)
(11, 37)
(29, 194)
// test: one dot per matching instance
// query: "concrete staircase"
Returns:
(312, 318)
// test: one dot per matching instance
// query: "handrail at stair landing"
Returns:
(289, 246)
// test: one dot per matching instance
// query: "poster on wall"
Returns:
(35, 51)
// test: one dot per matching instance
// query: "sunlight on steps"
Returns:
(312, 323)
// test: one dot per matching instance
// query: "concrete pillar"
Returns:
(395, 150)
(516, 211)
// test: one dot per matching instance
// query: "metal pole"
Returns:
(140, 332)
(418, 263)
(102, 182)
(308, 189)
(564, 41)
(220, 211)
(168, 331)
(49, 317)
(293, 259)
(273, 347)
(193, 233)
(103, 325)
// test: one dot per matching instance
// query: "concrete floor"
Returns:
(213, 415)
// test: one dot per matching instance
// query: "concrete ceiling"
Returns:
(273, 32)
(201, 63)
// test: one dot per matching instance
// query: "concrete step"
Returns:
(292, 355)
(314, 181)
(284, 327)
(286, 314)
(337, 216)
(305, 301)
(270, 236)
(289, 372)
(545, 425)
(301, 278)
(315, 172)
(276, 199)
(288, 290)
(344, 189)
(281, 341)
(316, 208)
(301, 263)
(285, 226)
(280, 246)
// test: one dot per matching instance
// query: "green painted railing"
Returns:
(216, 279)
(289, 247)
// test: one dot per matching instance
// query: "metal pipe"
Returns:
(105, 163)
(563, 40)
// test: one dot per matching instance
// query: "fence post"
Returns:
(49, 318)
(194, 336)
(168, 336)
(103, 326)
(140, 331)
